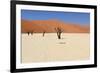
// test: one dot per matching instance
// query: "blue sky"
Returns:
(72, 17)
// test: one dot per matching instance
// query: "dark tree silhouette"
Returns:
(43, 33)
(30, 32)
(59, 31)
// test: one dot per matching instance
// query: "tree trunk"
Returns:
(43, 34)
(59, 31)
(59, 35)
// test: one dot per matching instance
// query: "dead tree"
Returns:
(30, 32)
(43, 33)
(59, 31)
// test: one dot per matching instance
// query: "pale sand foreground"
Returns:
(72, 46)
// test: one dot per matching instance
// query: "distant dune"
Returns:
(49, 26)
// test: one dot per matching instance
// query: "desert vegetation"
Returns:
(43, 33)
(59, 31)
(30, 32)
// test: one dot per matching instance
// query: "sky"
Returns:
(67, 17)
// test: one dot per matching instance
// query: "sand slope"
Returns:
(39, 26)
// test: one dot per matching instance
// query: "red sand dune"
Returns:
(48, 26)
